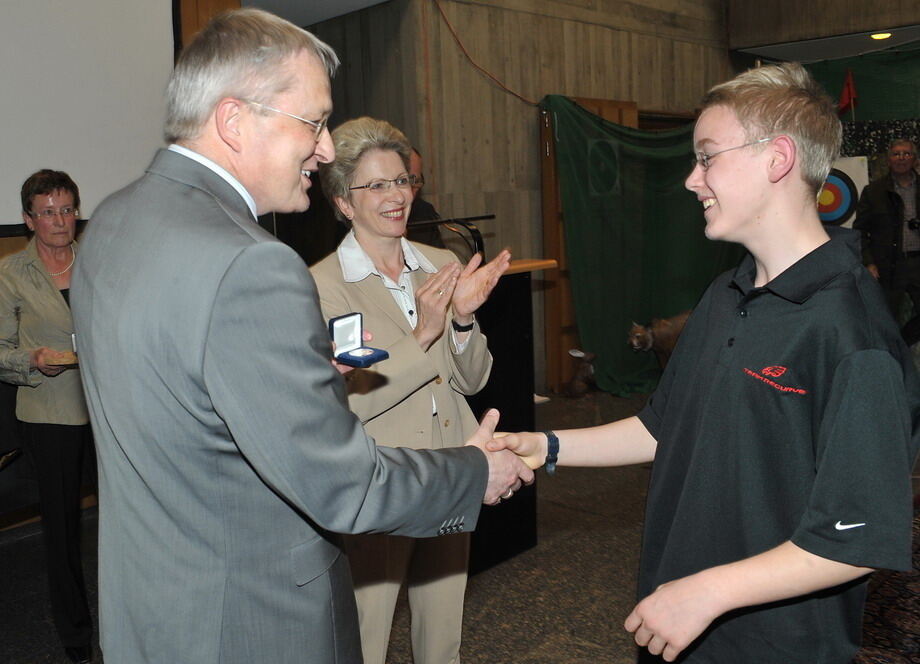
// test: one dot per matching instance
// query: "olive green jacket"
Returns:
(33, 313)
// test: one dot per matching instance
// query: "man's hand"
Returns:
(531, 447)
(672, 617)
(507, 473)
(873, 270)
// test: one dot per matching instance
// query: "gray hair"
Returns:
(903, 140)
(784, 99)
(352, 140)
(239, 54)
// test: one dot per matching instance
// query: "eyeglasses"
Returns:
(419, 181)
(381, 185)
(318, 127)
(65, 212)
(901, 154)
(702, 159)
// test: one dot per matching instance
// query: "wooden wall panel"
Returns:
(758, 23)
(538, 54)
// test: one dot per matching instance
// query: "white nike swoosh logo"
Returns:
(847, 526)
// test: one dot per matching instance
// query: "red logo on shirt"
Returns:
(776, 372)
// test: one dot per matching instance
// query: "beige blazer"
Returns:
(393, 398)
(33, 313)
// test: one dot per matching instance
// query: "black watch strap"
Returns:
(461, 328)
(552, 452)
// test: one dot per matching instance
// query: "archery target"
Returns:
(838, 198)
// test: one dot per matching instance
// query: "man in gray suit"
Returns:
(228, 457)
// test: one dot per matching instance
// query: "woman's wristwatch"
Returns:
(462, 328)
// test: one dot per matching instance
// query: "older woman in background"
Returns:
(36, 354)
(419, 303)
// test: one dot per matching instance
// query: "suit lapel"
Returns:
(379, 297)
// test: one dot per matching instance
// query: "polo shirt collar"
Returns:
(810, 273)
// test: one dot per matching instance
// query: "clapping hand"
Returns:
(431, 300)
(507, 473)
(475, 284)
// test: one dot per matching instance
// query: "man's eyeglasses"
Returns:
(318, 127)
(381, 185)
(902, 154)
(49, 213)
(703, 159)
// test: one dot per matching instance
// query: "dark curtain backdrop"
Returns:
(633, 234)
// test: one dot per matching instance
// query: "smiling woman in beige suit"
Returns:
(419, 303)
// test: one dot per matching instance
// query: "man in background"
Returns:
(887, 217)
(422, 210)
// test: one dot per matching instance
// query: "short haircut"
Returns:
(239, 54)
(903, 140)
(784, 99)
(353, 139)
(44, 182)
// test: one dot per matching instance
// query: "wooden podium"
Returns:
(510, 527)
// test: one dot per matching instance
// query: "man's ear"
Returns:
(27, 220)
(783, 156)
(228, 118)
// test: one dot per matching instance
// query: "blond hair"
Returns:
(352, 140)
(784, 99)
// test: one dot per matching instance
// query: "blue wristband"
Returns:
(552, 452)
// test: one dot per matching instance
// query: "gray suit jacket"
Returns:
(227, 453)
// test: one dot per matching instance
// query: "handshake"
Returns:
(512, 458)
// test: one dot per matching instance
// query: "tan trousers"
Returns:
(434, 570)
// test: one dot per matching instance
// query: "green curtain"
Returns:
(887, 83)
(634, 235)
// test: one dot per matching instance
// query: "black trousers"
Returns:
(56, 451)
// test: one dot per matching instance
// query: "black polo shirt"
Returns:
(787, 412)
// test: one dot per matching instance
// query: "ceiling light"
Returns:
(881, 35)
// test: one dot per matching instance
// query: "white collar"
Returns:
(357, 265)
(223, 173)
